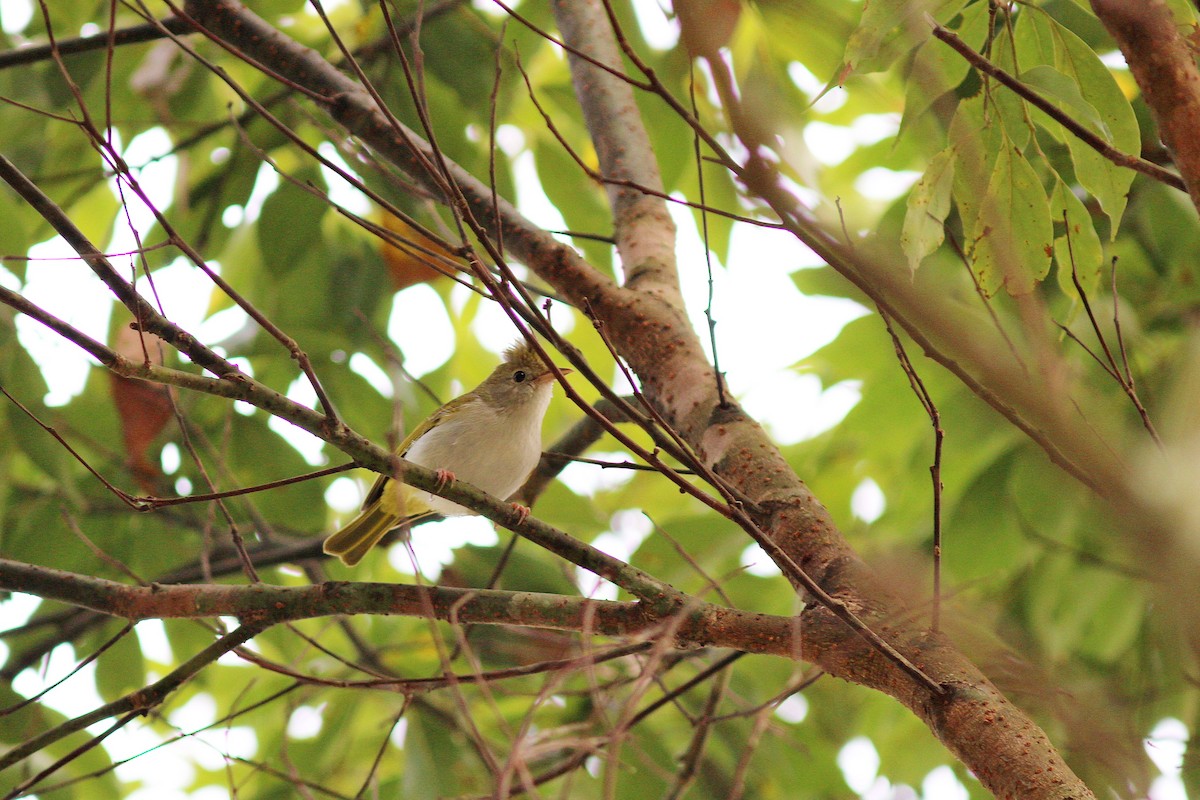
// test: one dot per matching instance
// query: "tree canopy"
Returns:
(269, 239)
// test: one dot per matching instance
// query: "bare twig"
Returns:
(935, 469)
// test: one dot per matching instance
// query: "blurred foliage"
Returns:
(1039, 591)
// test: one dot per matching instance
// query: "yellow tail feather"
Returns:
(363, 532)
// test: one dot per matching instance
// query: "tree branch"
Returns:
(644, 230)
(1165, 69)
(695, 623)
(137, 701)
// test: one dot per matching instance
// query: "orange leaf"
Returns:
(410, 265)
(143, 408)
(707, 25)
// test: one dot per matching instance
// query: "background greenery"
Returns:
(1041, 588)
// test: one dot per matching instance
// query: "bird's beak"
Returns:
(549, 376)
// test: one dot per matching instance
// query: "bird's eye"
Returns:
(519, 376)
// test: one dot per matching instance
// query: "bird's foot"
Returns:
(520, 512)
(444, 476)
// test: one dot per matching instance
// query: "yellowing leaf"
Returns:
(928, 205)
(411, 265)
(1012, 237)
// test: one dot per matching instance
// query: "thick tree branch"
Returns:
(644, 230)
(232, 24)
(1164, 67)
(695, 623)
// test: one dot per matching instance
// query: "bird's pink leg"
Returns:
(444, 476)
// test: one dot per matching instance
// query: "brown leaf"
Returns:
(143, 408)
(409, 266)
(707, 25)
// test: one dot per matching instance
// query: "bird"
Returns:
(490, 437)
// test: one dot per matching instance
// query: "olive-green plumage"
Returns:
(490, 437)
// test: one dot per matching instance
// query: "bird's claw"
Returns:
(444, 476)
(521, 512)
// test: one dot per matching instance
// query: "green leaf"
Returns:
(975, 139)
(1079, 247)
(937, 69)
(1054, 85)
(889, 28)
(121, 668)
(928, 205)
(1012, 237)
(1107, 182)
(290, 222)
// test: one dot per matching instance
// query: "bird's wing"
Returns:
(429, 423)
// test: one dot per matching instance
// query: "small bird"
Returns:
(490, 437)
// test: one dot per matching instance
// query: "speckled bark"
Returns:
(1164, 67)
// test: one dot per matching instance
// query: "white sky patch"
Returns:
(588, 479)
(154, 172)
(1166, 747)
(764, 326)
(942, 784)
(793, 709)
(832, 144)
(510, 139)
(435, 543)
(238, 741)
(421, 328)
(400, 733)
(366, 368)
(879, 183)
(224, 323)
(8, 280)
(308, 446)
(868, 502)
(340, 191)
(169, 459)
(266, 182)
(183, 292)
(75, 696)
(859, 762)
(57, 281)
(306, 722)
(15, 611)
(756, 562)
(169, 768)
(16, 15)
(829, 144)
(1114, 59)
(152, 636)
(796, 407)
(660, 32)
(627, 530)
(532, 200)
(344, 495)
(494, 329)
(811, 85)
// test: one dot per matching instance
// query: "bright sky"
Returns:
(755, 304)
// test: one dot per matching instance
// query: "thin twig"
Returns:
(935, 469)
